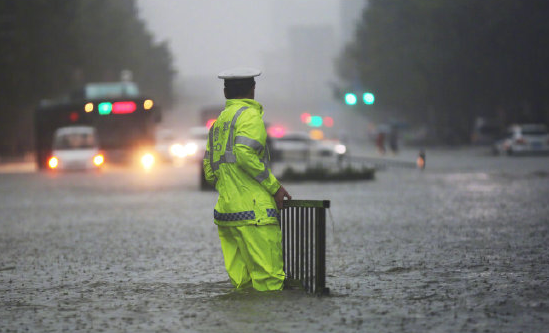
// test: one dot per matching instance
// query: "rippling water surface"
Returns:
(462, 246)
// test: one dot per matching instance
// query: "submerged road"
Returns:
(460, 247)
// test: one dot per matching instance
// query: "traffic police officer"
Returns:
(236, 162)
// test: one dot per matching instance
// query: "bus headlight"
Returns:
(53, 162)
(98, 160)
(147, 161)
(148, 104)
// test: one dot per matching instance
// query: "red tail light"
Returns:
(210, 122)
(276, 131)
(123, 107)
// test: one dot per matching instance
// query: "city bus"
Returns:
(124, 120)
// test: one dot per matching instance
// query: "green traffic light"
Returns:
(350, 99)
(368, 98)
(104, 108)
(316, 121)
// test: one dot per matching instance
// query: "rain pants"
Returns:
(236, 162)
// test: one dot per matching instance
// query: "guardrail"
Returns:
(303, 224)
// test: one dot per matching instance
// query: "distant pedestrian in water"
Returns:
(380, 142)
(393, 139)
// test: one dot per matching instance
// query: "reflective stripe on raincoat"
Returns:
(236, 162)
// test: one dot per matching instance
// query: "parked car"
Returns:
(75, 148)
(523, 139)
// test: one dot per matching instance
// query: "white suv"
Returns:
(524, 138)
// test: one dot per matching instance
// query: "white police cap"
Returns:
(239, 73)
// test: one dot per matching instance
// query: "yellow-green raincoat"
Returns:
(236, 162)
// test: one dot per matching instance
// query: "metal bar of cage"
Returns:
(303, 224)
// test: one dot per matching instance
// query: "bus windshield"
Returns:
(75, 141)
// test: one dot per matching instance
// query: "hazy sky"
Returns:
(207, 36)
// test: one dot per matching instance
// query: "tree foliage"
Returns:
(444, 62)
(51, 47)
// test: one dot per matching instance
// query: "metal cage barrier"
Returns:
(303, 224)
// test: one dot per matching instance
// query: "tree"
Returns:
(444, 62)
(51, 47)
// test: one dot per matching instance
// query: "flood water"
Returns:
(461, 246)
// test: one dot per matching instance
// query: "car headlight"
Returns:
(53, 162)
(340, 149)
(147, 161)
(191, 148)
(98, 160)
(178, 150)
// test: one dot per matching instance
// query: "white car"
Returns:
(298, 146)
(167, 145)
(194, 149)
(195, 146)
(329, 148)
(294, 146)
(75, 148)
(523, 139)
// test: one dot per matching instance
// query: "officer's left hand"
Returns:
(280, 195)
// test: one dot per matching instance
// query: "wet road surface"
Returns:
(460, 247)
